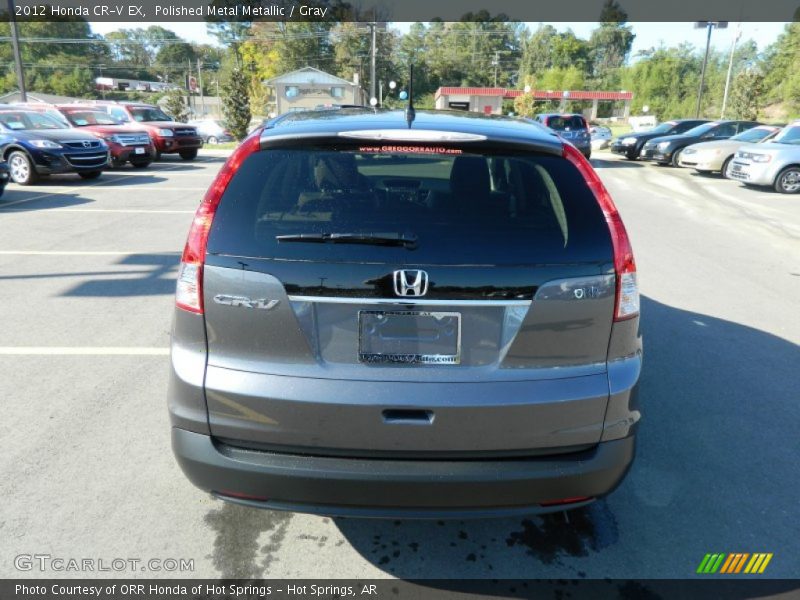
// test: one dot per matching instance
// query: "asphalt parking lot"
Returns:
(86, 284)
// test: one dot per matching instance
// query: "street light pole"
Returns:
(709, 25)
(372, 62)
(17, 56)
(730, 71)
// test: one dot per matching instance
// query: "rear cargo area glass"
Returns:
(461, 208)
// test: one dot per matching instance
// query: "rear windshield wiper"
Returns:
(374, 239)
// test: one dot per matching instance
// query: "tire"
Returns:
(676, 156)
(725, 166)
(141, 164)
(788, 180)
(588, 155)
(90, 174)
(212, 140)
(632, 154)
(21, 168)
(188, 154)
(157, 155)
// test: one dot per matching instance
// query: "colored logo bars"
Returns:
(734, 563)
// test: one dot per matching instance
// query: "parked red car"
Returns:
(168, 136)
(126, 143)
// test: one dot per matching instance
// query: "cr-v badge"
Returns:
(262, 303)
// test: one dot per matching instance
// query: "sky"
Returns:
(647, 34)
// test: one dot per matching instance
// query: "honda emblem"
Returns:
(410, 283)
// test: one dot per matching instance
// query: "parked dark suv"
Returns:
(36, 144)
(383, 319)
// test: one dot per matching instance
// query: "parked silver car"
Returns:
(213, 131)
(775, 163)
(707, 157)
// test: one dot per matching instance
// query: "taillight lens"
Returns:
(189, 291)
(626, 304)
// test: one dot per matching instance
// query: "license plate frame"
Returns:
(138, 150)
(374, 348)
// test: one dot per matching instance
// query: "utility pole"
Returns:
(17, 56)
(495, 64)
(709, 25)
(200, 85)
(372, 76)
(730, 70)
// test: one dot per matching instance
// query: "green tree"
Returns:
(782, 75)
(610, 44)
(747, 95)
(175, 105)
(236, 103)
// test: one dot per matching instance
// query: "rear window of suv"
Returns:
(566, 123)
(462, 208)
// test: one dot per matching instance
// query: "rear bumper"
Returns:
(400, 488)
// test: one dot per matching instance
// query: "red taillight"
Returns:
(189, 291)
(626, 304)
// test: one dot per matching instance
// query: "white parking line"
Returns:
(81, 351)
(113, 210)
(83, 253)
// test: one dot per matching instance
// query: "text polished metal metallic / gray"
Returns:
(410, 283)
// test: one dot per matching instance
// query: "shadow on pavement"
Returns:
(50, 201)
(621, 163)
(157, 278)
(713, 473)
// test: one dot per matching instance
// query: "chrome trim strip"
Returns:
(408, 300)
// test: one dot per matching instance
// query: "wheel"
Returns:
(188, 154)
(21, 169)
(212, 140)
(676, 156)
(157, 155)
(90, 174)
(632, 154)
(141, 164)
(588, 154)
(788, 180)
(724, 170)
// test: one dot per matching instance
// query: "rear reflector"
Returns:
(240, 495)
(626, 303)
(562, 501)
(189, 291)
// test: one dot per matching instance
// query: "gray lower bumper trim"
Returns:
(410, 488)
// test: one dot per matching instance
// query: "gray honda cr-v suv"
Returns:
(385, 316)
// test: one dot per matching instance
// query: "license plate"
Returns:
(403, 337)
(736, 168)
(139, 151)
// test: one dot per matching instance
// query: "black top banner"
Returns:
(400, 10)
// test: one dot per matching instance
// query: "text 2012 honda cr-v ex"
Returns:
(382, 316)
